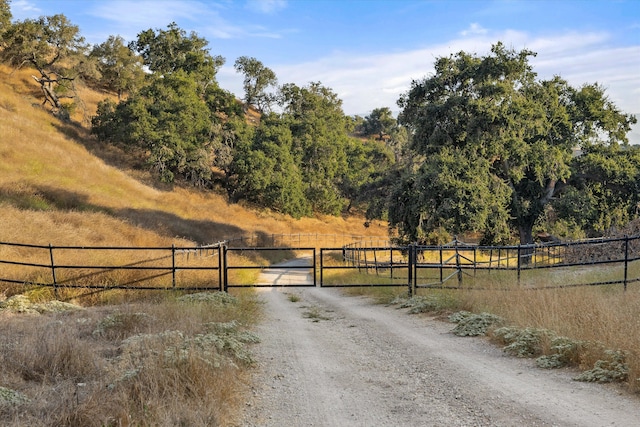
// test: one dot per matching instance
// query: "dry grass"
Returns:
(166, 363)
(605, 317)
(601, 317)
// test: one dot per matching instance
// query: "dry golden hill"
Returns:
(59, 186)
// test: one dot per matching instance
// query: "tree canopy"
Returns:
(491, 144)
(120, 68)
(257, 79)
(171, 50)
(54, 47)
(481, 145)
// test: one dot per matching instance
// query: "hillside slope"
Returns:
(59, 186)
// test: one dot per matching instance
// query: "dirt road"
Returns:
(332, 360)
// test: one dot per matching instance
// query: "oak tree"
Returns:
(491, 142)
(257, 79)
(54, 47)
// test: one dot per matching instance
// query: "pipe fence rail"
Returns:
(367, 262)
(434, 266)
(160, 268)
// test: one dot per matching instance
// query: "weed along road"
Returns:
(327, 359)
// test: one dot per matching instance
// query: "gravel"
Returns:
(327, 359)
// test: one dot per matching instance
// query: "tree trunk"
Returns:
(526, 238)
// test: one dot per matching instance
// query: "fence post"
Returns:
(410, 267)
(458, 262)
(173, 265)
(315, 272)
(626, 260)
(220, 266)
(375, 260)
(322, 265)
(225, 276)
(441, 266)
(518, 264)
(53, 271)
(475, 261)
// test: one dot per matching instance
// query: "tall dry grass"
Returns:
(172, 362)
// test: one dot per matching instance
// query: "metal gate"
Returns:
(297, 272)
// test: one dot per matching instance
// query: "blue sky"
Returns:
(369, 51)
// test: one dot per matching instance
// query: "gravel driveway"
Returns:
(332, 360)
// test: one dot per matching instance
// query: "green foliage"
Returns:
(10, 397)
(120, 325)
(492, 143)
(170, 121)
(564, 352)
(168, 51)
(612, 369)
(54, 47)
(119, 67)
(266, 171)
(5, 19)
(604, 191)
(214, 298)
(473, 325)
(319, 130)
(22, 304)
(368, 175)
(223, 343)
(525, 342)
(380, 122)
(257, 78)
(432, 303)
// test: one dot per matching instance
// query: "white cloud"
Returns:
(474, 29)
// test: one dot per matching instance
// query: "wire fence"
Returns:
(316, 240)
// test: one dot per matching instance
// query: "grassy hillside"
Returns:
(59, 186)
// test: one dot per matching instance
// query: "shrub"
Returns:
(564, 352)
(472, 325)
(613, 369)
(525, 342)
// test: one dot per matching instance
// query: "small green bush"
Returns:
(431, 303)
(525, 342)
(10, 397)
(564, 352)
(120, 325)
(217, 298)
(613, 369)
(473, 325)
